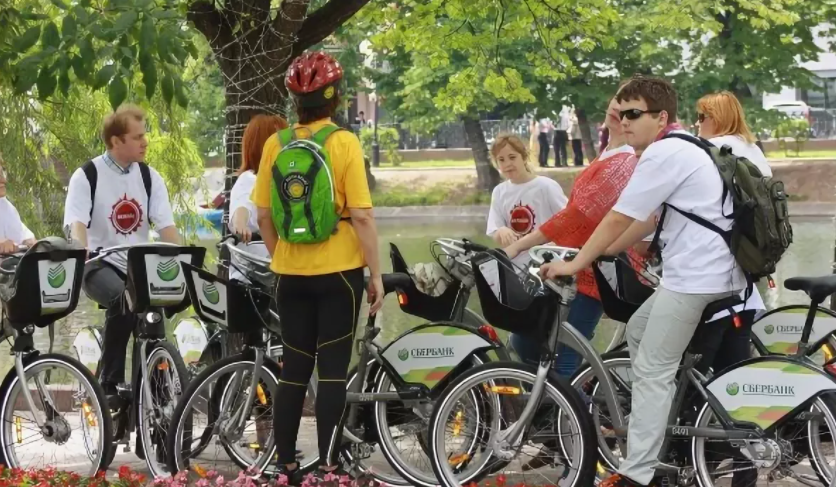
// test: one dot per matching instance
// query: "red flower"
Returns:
(500, 480)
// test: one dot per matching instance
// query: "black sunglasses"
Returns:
(701, 117)
(635, 113)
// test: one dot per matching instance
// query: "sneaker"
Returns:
(619, 480)
(294, 476)
(114, 402)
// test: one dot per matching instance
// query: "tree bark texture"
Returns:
(487, 177)
(253, 47)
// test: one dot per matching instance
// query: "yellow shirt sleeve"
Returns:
(263, 181)
(357, 193)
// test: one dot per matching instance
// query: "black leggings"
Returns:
(318, 315)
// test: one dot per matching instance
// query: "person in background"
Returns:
(561, 138)
(593, 195)
(575, 136)
(244, 220)
(543, 139)
(521, 203)
(721, 120)
(13, 231)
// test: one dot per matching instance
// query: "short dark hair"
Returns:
(656, 92)
(308, 115)
(362, 112)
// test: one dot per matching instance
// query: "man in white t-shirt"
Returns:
(112, 200)
(697, 264)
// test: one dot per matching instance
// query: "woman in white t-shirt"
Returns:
(12, 230)
(721, 120)
(243, 221)
(525, 200)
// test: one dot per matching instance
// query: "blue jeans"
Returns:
(584, 314)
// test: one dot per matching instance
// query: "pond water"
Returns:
(811, 254)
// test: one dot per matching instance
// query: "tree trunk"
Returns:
(487, 177)
(589, 142)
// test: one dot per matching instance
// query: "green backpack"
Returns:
(304, 196)
(761, 231)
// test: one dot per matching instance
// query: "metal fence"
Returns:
(823, 123)
(452, 135)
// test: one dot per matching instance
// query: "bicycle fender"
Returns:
(780, 329)
(765, 390)
(428, 353)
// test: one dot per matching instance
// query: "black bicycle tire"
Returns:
(183, 376)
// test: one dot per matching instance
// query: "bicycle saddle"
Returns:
(818, 288)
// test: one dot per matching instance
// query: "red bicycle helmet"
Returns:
(311, 78)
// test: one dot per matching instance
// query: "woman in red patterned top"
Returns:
(593, 195)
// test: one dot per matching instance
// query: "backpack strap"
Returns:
(286, 136)
(322, 135)
(145, 171)
(705, 145)
(92, 174)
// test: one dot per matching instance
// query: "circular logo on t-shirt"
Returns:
(126, 216)
(522, 219)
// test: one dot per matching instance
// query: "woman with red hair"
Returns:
(243, 221)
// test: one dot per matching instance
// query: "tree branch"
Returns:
(205, 18)
(325, 21)
(290, 18)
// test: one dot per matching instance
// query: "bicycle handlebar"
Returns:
(99, 254)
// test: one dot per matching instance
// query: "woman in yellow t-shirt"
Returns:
(321, 284)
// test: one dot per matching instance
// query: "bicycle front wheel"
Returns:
(212, 406)
(556, 446)
(77, 428)
(166, 375)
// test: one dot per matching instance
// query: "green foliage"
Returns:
(388, 139)
(96, 48)
(795, 131)
(43, 144)
(205, 119)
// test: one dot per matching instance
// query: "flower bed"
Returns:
(50, 477)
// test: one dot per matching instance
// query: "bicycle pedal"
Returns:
(361, 451)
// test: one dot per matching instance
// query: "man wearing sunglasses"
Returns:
(697, 264)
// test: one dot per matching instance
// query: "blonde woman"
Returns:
(524, 201)
(721, 120)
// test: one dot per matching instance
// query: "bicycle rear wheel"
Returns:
(77, 426)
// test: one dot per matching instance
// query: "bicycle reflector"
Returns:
(489, 332)
(402, 299)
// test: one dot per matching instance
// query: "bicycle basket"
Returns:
(155, 278)
(622, 291)
(240, 308)
(420, 304)
(512, 299)
(43, 285)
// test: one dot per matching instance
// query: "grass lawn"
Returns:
(777, 154)
(805, 154)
